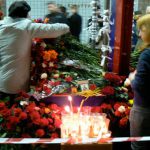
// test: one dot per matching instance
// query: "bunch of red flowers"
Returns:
(29, 119)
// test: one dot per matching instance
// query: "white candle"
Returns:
(70, 100)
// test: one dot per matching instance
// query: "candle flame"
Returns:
(67, 108)
(70, 98)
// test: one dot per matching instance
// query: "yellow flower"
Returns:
(131, 101)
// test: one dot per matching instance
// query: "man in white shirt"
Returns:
(16, 34)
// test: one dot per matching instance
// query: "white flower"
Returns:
(23, 103)
(43, 44)
(127, 82)
(56, 76)
(122, 109)
(44, 76)
(51, 64)
(44, 65)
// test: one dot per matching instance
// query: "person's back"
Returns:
(16, 35)
(75, 22)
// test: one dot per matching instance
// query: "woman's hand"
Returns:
(131, 77)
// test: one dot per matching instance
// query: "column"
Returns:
(123, 32)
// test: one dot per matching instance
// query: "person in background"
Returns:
(1, 15)
(16, 34)
(75, 22)
(135, 37)
(55, 16)
(63, 10)
(148, 10)
(140, 83)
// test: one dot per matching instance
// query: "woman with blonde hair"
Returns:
(140, 82)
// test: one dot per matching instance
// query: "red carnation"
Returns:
(50, 120)
(35, 115)
(123, 122)
(57, 123)
(51, 128)
(108, 90)
(40, 133)
(13, 120)
(23, 116)
(92, 86)
(17, 111)
(9, 126)
(53, 107)
(31, 107)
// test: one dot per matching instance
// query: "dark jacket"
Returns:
(141, 83)
(56, 17)
(75, 23)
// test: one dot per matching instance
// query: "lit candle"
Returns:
(70, 100)
(67, 109)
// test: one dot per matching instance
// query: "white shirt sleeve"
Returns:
(39, 30)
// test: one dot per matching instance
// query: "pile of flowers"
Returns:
(62, 61)
(28, 118)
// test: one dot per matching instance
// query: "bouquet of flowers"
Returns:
(117, 103)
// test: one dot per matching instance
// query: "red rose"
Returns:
(44, 122)
(68, 79)
(53, 107)
(116, 106)
(118, 113)
(113, 78)
(54, 135)
(31, 107)
(40, 133)
(2, 105)
(123, 122)
(108, 90)
(57, 123)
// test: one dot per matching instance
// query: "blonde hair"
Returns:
(144, 21)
